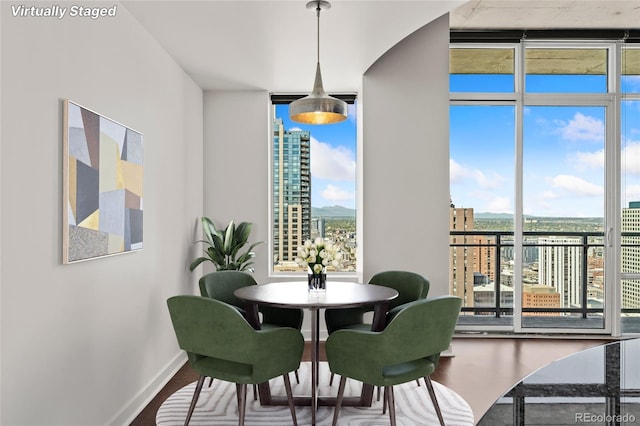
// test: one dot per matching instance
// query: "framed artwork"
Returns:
(102, 181)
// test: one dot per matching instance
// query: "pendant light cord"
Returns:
(318, 32)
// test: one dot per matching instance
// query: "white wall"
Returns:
(236, 176)
(89, 343)
(405, 152)
(406, 157)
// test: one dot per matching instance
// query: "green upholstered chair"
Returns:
(407, 349)
(220, 343)
(410, 286)
(220, 285)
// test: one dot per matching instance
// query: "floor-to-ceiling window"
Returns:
(542, 140)
(313, 187)
(630, 189)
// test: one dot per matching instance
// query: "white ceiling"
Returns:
(271, 45)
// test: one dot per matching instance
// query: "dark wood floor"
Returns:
(480, 371)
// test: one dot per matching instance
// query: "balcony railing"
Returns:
(585, 250)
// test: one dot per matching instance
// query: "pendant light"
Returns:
(318, 107)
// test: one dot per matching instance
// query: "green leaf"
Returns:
(208, 228)
(197, 262)
(216, 256)
(248, 255)
(228, 238)
(242, 232)
(247, 267)
(252, 246)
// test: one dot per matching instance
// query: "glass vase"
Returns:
(317, 282)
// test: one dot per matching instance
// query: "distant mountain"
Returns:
(332, 211)
(492, 215)
(509, 216)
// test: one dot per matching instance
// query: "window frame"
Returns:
(280, 98)
(611, 101)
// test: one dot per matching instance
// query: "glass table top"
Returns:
(597, 386)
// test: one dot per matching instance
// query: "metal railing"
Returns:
(497, 241)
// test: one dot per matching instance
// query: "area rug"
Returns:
(217, 405)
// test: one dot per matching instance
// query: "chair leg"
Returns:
(384, 400)
(292, 407)
(241, 390)
(255, 392)
(336, 413)
(210, 381)
(392, 404)
(297, 377)
(432, 394)
(378, 397)
(331, 379)
(196, 393)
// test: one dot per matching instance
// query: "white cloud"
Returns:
(500, 205)
(334, 194)
(582, 128)
(590, 160)
(333, 163)
(456, 172)
(490, 182)
(576, 186)
(459, 173)
(631, 158)
(632, 192)
(489, 201)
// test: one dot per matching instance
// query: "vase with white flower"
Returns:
(316, 255)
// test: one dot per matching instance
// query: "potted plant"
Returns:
(222, 247)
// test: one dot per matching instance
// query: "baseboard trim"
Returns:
(131, 410)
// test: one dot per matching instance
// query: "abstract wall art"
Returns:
(102, 181)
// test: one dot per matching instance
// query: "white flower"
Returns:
(318, 254)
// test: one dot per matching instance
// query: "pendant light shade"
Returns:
(318, 107)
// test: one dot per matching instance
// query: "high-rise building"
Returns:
(631, 254)
(560, 266)
(485, 256)
(462, 255)
(318, 227)
(291, 190)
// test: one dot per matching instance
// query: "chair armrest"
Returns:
(356, 351)
(275, 351)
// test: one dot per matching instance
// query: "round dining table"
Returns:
(296, 294)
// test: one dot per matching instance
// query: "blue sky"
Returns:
(563, 170)
(333, 159)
